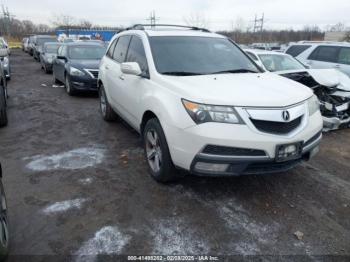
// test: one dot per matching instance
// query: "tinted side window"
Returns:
(344, 56)
(65, 51)
(137, 54)
(111, 49)
(325, 54)
(296, 50)
(121, 49)
(59, 52)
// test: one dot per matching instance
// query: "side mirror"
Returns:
(62, 58)
(131, 68)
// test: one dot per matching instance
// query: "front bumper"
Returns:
(186, 146)
(84, 83)
(251, 165)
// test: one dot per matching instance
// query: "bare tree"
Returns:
(65, 21)
(85, 23)
(197, 20)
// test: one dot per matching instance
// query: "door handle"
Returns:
(337, 66)
(107, 67)
(122, 78)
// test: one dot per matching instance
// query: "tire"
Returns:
(54, 79)
(69, 89)
(3, 111)
(46, 70)
(157, 153)
(106, 110)
(4, 225)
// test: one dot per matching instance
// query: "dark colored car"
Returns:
(77, 66)
(4, 226)
(48, 54)
(31, 45)
(39, 42)
(3, 97)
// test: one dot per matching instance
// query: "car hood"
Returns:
(85, 64)
(325, 77)
(254, 90)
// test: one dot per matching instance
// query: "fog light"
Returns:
(210, 167)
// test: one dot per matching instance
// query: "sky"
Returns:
(217, 14)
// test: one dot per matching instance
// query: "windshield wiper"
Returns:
(181, 73)
(235, 71)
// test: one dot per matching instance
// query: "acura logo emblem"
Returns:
(285, 116)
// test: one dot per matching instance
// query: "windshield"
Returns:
(87, 52)
(52, 48)
(275, 63)
(198, 55)
(41, 41)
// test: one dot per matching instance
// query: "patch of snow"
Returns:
(107, 241)
(63, 206)
(175, 237)
(86, 181)
(75, 159)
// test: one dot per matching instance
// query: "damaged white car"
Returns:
(331, 86)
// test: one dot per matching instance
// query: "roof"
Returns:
(171, 30)
(264, 52)
(83, 43)
(330, 43)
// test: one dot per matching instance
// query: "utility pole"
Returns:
(6, 19)
(153, 19)
(259, 25)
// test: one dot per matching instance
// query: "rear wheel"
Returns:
(107, 111)
(157, 153)
(3, 111)
(4, 228)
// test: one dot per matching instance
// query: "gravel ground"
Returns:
(79, 186)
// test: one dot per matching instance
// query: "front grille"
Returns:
(232, 151)
(280, 128)
(94, 73)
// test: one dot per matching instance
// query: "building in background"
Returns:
(335, 36)
(86, 34)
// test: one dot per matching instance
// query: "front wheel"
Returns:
(157, 153)
(69, 89)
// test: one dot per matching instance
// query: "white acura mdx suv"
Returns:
(202, 105)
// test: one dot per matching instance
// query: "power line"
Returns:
(259, 25)
(153, 19)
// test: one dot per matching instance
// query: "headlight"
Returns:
(76, 72)
(314, 105)
(49, 60)
(209, 113)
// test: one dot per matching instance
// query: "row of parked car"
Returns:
(75, 64)
(203, 104)
(5, 76)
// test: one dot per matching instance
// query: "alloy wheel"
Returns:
(103, 102)
(153, 150)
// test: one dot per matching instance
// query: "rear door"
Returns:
(130, 91)
(324, 57)
(115, 77)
